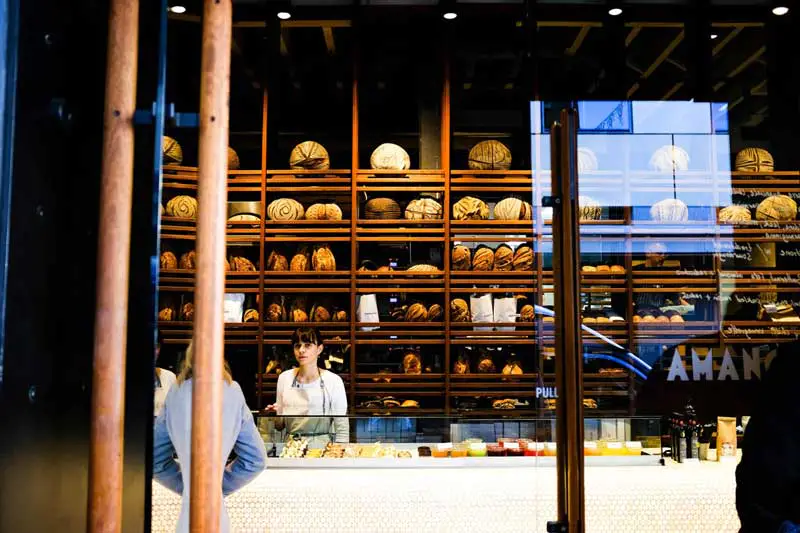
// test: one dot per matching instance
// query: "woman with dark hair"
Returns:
(173, 435)
(312, 400)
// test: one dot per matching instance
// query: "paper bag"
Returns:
(233, 307)
(481, 309)
(505, 310)
(367, 310)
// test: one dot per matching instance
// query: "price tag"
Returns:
(444, 446)
(614, 445)
(633, 444)
(511, 445)
(590, 445)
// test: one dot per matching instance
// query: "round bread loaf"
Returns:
(435, 313)
(486, 365)
(734, 214)
(470, 208)
(246, 218)
(777, 208)
(416, 313)
(461, 366)
(284, 209)
(489, 155)
(390, 157)
(512, 368)
(300, 262)
(187, 312)
(459, 310)
(167, 314)
(483, 259)
(182, 207)
(589, 209)
(233, 159)
(323, 259)
(754, 160)
(276, 262)
(423, 209)
(670, 210)
(513, 209)
(251, 315)
(275, 313)
(309, 155)
(168, 261)
(242, 264)
(298, 315)
(320, 314)
(340, 315)
(412, 364)
(189, 260)
(461, 258)
(617, 269)
(324, 212)
(423, 268)
(523, 258)
(381, 209)
(670, 158)
(527, 313)
(587, 160)
(503, 258)
(171, 151)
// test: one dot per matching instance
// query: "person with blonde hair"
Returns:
(173, 435)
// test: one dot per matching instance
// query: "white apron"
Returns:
(303, 407)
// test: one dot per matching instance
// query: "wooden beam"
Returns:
(671, 92)
(760, 89)
(576, 44)
(209, 327)
(660, 59)
(747, 62)
(632, 35)
(284, 41)
(330, 44)
(113, 257)
(728, 38)
(567, 24)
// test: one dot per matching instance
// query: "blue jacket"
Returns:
(173, 435)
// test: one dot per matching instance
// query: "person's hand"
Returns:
(272, 407)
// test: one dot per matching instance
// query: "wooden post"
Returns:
(206, 467)
(113, 257)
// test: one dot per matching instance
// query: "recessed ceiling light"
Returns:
(714, 36)
(615, 11)
(284, 15)
(178, 9)
(450, 15)
(780, 10)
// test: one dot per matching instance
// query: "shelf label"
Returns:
(444, 446)
(511, 445)
(614, 445)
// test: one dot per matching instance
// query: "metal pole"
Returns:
(206, 471)
(569, 346)
(113, 255)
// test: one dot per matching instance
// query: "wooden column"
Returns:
(206, 468)
(113, 255)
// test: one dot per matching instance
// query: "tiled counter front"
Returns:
(675, 498)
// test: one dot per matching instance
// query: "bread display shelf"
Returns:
(420, 388)
(400, 411)
(427, 376)
(437, 230)
(411, 174)
(284, 339)
(492, 189)
(399, 342)
(486, 340)
(498, 336)
(488, 175)
(401, 189)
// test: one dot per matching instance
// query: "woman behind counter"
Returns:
(312, 401)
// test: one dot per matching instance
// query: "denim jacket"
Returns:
(173, 435)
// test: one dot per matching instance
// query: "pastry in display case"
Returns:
(309, 155)
(527, 313)
(459, 310)
(285, 210)
(503, 258)
(323, 260)
(329, 211)
(483, 258)
(277, 262)
(251, 315)
(187, 311)
(188, 260)
(470, 208)
(182, 206)
(416, 312)
(461, 257)
(423, 209)
(167, 314)
(242, 264)
(390, 156)
(435, 313)
(523, 258)
(168, 261)
(382, 209)
(754, 160)
(301, 260)
(489, 155)
(319, 313)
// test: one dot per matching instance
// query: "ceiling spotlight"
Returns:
(615, 11)
(780, 10)
(714, 36)
(450, 15)
(178, 9)
(284, 15)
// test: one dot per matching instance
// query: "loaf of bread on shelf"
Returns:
(276, 262)
(187, 312)
(339, 315)
(300, 261)
(416, 312)
(461, 258)
(171, 151)
(251, 315)
(423, 209)
(459, 310)
(182, 206)
(324, 212)
(435, 313)
(777, 208)
(486, 365)
(754, 160)
(285, 209)
(470, 208)
(617, 269)
(323, 259)
(389, 156)
(423, 267)
(275, 312)
(513, 209)
(734, 214)
(489, 155)
(189, 260)
(246, 217)
(589, 209)
(166, 314)
(381, 209)
(483, 258)
(587, 160)
(320, 314)
(527, 313)
(298, 312)
(503, 258)
(233, 159)
(398, 313)
(309, 155)
(512, 368)
(461, 366)
(242, 264)
(669, 210)
(168, 261)
(412, 364)
(670, 158)
(523, 258)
